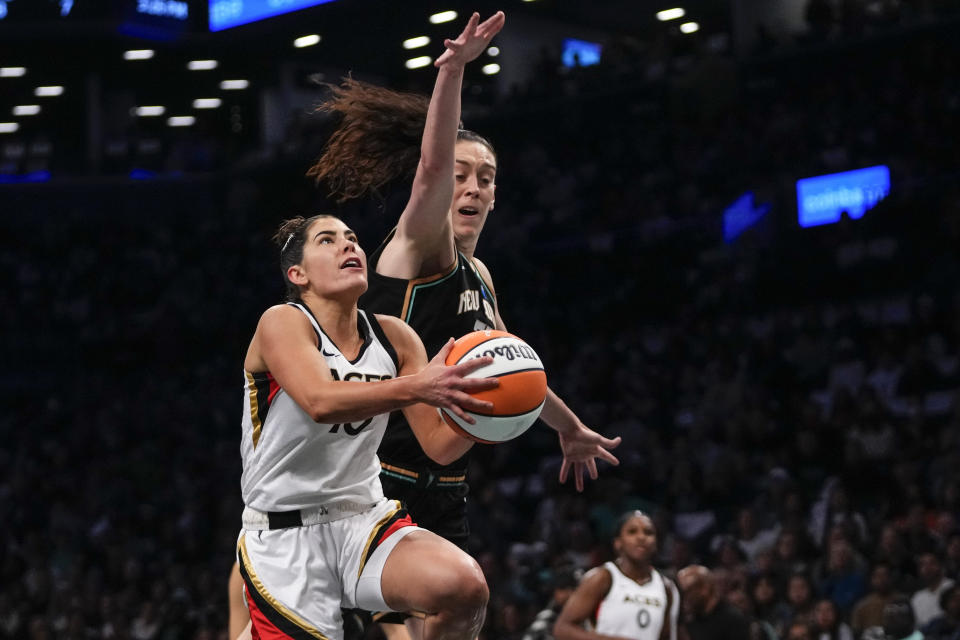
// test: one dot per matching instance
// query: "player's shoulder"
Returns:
(599, 576)
(281, 319)
(281, 313)
(398, 332)
(481, 267)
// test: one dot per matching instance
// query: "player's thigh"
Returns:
(290, 586)
(426, 573)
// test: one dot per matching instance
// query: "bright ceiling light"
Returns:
(689, 27)
(52, 90)
(416, 63)
(233, 85)
(12, 72)
(414, 43)
(26, 110)
(493, 52)
(490, 69)
(306, 41)
(670, 14)
(138, 54)
(180, 121)
(149, 111)
(9, 127)
(206, 103)
(443, 16)
(202, 65)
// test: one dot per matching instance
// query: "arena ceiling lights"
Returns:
(306, 41)
(416, 43)
(48, 91)
(418, 62)
(138, 54)
(202, 65)
(670, 14)
(443, 16)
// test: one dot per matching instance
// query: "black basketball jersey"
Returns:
(438, 307)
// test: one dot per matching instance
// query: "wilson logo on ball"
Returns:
(518, 400)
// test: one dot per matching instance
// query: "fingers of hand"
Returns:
(471, 365)
(492, 25)
(472, 385)
(564, 471)
(612, 444)
(609, 457)
(468, 402)
(463, 415)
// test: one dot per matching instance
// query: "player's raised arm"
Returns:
(424, 224)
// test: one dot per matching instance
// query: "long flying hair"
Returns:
(377, 140)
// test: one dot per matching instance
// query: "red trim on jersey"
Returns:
(262, 628)
(274, 387)
(400, 523)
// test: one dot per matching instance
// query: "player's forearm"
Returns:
(441, 443)
(350, 401)
(443, 119)
(557, 415)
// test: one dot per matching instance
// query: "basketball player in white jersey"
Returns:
(318, 533)
(626, 598)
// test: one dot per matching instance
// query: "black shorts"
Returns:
(440, 509)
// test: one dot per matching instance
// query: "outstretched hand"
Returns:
(472, 42)
(581, 448)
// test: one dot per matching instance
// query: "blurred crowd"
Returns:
(788, 400)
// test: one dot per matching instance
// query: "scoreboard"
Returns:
(157, 19)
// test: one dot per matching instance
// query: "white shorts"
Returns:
(297, 579)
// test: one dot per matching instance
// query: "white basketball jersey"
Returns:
(637, 611)
(291, 462)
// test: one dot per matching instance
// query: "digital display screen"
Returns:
(233, 13)
(824, 199)
(580, 53)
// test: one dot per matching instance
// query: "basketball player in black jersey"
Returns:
(425, 271)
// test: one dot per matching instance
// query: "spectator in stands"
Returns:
(926, 600)
(707, 615)
(868, 612)
(945, 626)
(563, 582)
(798, 604)
(827, 624)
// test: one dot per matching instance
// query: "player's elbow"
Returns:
(444, 454)
(322, 411)
(560, 630)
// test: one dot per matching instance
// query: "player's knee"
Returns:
(466, 590)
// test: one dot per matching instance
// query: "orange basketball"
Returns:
(518, 400)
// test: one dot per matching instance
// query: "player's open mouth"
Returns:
(468, 211)
(351, 263)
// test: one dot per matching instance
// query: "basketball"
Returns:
(518, 400)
